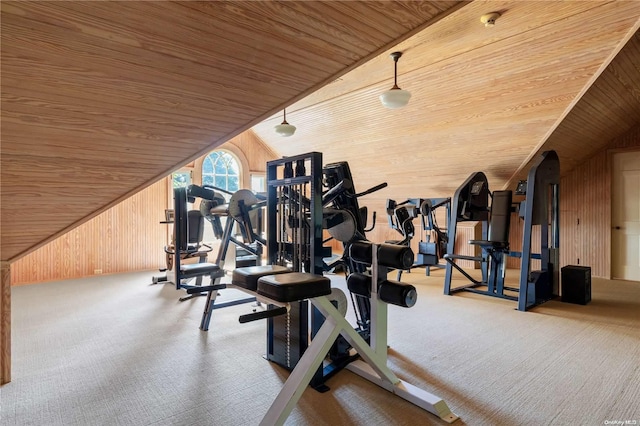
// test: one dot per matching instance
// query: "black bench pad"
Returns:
(199, 269)
(293, 286)
(247, 277)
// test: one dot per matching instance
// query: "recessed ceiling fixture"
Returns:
(285, 129)
(395, 97)
(489, 20)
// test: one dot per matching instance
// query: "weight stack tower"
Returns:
(294, 233)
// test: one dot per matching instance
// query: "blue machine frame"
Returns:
(540, 207)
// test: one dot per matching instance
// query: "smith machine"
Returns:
(473, 201)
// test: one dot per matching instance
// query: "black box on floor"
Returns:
(576, 284)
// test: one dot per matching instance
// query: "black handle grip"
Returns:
(262, 315)
(336, 191)
(370, 190)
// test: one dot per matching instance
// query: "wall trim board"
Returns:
(5, 322)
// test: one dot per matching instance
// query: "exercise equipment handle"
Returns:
(200, 192)
(336, 191)
(370, 190)
(373, 225)
(269, 313)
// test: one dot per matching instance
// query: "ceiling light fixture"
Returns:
(395, 97)
(285, 129)
(489, 20)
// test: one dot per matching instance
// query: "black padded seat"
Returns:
(294, 286)
(198, 269)
(247, 277)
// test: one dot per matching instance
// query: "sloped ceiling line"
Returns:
(88, 82)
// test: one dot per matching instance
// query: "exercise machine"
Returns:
(284, 288)
(238, 213)
(473, 201)
(293, 281)
(346, 221)
(196, 248)
(243, 212)
(184, 272)
(400, 217)
(540, 208)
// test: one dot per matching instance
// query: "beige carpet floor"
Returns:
(114, 350)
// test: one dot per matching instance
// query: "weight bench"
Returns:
(277, 286)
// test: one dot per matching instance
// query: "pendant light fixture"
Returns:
(285, 129)
(395, 97)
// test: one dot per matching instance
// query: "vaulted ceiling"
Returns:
(483, 99)
(101, 99)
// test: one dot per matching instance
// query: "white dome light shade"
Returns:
(395, 98)
(285, 129)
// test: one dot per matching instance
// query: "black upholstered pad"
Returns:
(248, 277)
(293, 286)
(199, 269)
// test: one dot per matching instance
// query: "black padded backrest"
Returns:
(333, 174)
(180, 220)
(195, 226)
(500, 217)
(404, 222)
(471, 199)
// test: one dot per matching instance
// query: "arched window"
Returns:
(222, 170)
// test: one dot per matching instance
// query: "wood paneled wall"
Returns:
(5, 323)
(127, 237)
(256, 151)
(585, 212)
(585, 203)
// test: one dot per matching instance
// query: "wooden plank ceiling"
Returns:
(101, 99)
(483, 99)
(609, 109)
